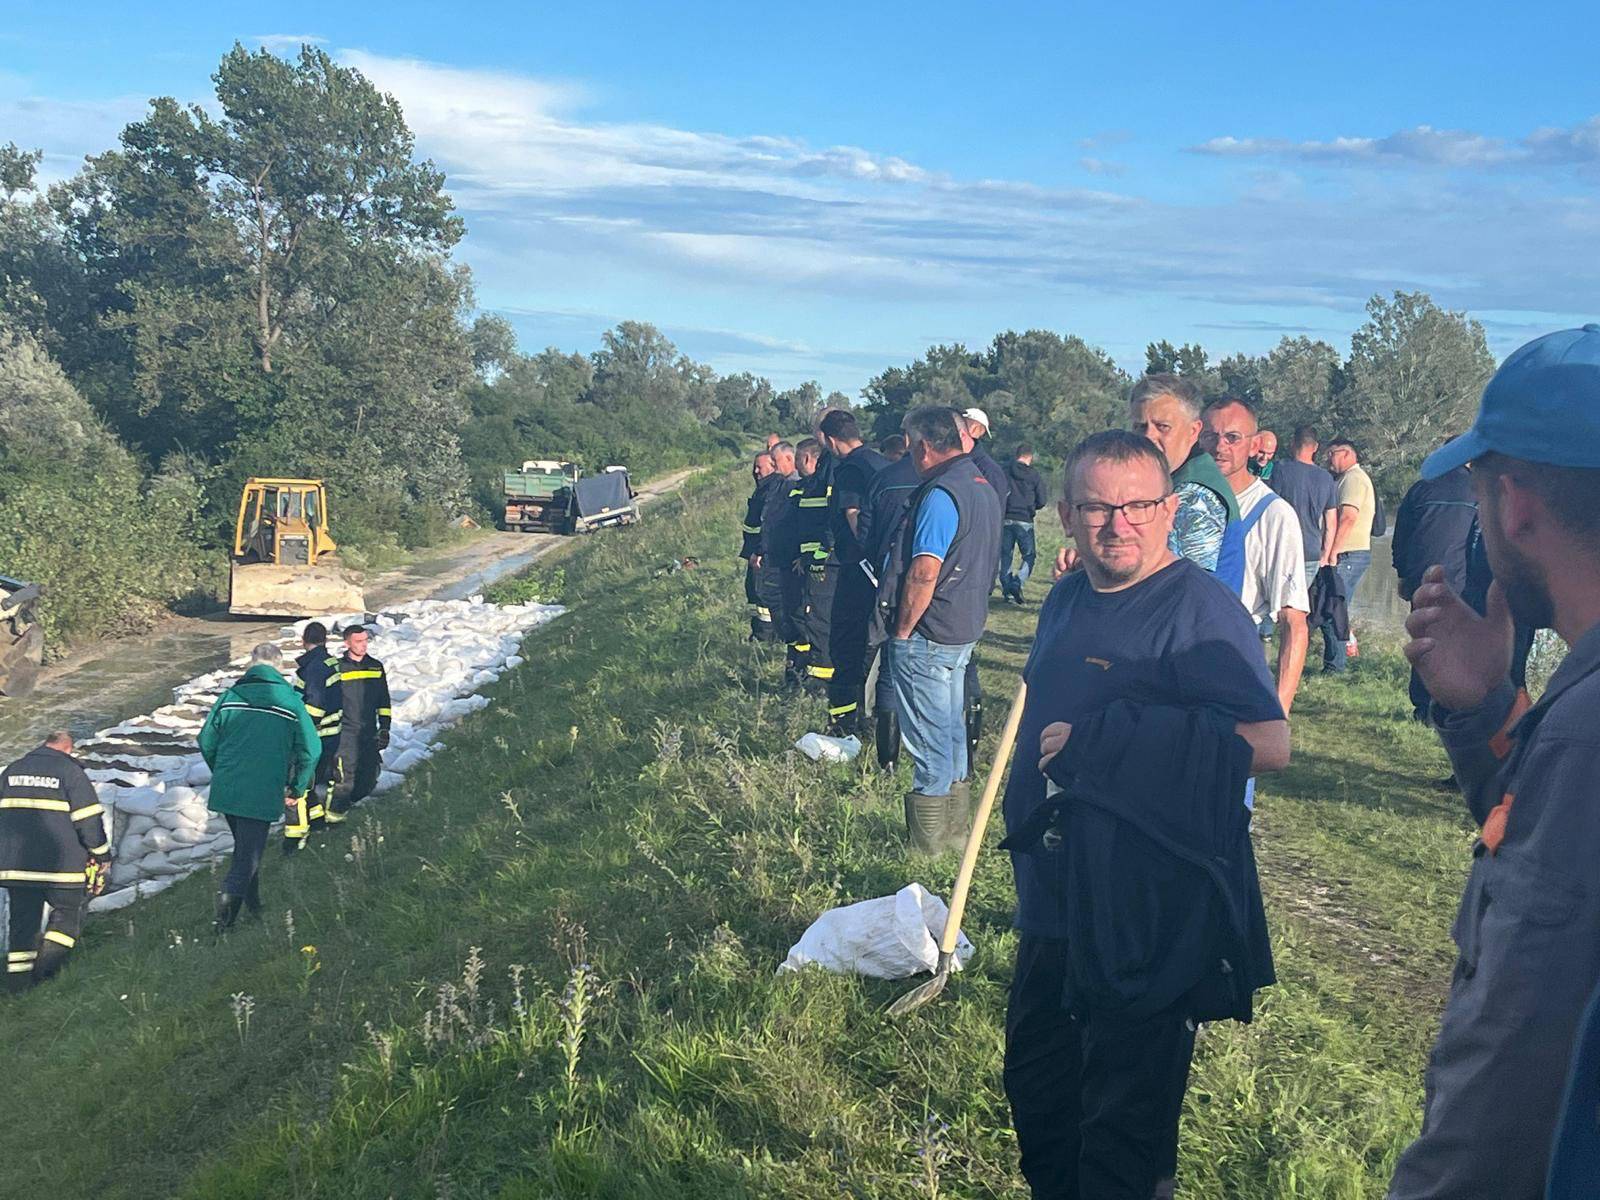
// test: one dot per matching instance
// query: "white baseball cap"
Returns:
(978, 415)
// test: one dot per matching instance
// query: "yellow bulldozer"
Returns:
(284, 561)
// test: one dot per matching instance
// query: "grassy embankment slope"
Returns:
(629, 845)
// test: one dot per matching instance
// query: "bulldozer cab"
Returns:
(282, 521)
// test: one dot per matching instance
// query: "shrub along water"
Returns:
(558, 977)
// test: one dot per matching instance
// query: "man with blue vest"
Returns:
(936, 583)
(1528, 930)
(1273, 586)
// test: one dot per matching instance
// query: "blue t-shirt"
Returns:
(937, 521)
(1179, 638)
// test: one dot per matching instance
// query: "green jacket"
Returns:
(259, 742)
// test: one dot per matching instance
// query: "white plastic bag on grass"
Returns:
(821, 748)
(893, 937)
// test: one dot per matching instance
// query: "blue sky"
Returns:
(816, 191)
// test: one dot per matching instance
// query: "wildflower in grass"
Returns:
(933, 1152)
(243, 1006)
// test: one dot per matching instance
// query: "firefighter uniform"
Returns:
(819, 577)
(763, 628)
(777, 584)
(363, 732)
(317, 680)
(52, 838)
(854, 591)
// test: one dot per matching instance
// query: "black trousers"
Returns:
(33, 956)
(249, 844)
(819, 589)
(1095, 1100)
(762, 627)
(358, 767)
(792, 624)
(853, 600)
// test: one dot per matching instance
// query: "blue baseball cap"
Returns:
(1542, 406)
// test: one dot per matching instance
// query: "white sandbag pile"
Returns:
(153, 782)
(892, 937)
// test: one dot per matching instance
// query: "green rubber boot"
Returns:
(958, 816)
(926, 820)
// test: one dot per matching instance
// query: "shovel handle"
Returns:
(980, 821)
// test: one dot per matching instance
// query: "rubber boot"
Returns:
(252, 898)
(958, 815)
(888, 739)
(974, 729)
(227, 912)
(927, 818)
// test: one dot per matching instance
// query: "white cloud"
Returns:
(1426, 146)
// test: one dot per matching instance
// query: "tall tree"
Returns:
(1416, 372)
(1300, 378)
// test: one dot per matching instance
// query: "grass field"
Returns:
(544, 968)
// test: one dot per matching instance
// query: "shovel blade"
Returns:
(921, 994)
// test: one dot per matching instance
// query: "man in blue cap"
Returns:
(1528, 931)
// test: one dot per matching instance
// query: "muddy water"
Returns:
(1378, 607)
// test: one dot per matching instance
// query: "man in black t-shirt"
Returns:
(1095, 1094)
(1313, 495)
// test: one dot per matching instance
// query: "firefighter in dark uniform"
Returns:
(776, 549)
(364, 725)
(855, 588)
(817, 576)
(53, 850)
(792, 560)
(316, 678)
(876, 527)
(762, 627)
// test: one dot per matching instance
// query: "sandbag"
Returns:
(819, 747)
(892, 937)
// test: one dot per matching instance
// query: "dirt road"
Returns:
(114, 680)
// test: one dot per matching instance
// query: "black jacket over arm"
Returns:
(1163, 903)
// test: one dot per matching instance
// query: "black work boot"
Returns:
(926, 820)
(252, 898)
(888, 739)
(227, 912)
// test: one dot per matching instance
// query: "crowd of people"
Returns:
(1150, 710)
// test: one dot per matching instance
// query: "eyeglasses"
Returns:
(1138, 512)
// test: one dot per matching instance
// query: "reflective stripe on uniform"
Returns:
(814, 502)
(841, 709)
(59, 938)
(34, 802)
(810, 547)
(315, 711)
(271, 709)
(88, 810)
(22, 956)
(386, 712)
(820, 672)
(17, 968)
(763, 613)
(41, 877)
(104, 848)
(800, 647)
(752, 529)
(343, 675)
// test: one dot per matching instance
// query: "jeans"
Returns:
(929, 690)
(1016, 535)
(1352, 565)
(249, 844)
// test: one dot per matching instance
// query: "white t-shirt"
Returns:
(1274, 555)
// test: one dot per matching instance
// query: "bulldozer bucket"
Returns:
(21, 641)
(272, 590)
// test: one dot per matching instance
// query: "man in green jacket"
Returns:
(262, 748)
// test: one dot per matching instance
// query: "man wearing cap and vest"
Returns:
(316, 678)
(1528, 930)
(856, 579)
(53, 850)
(364, 727)
(975, 423)
(762, 628)
(935, 586)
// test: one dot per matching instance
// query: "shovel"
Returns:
(920, 995)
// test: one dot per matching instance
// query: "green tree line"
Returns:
(1410, 380)
(265, 287)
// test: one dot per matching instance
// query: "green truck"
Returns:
(541, 497)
